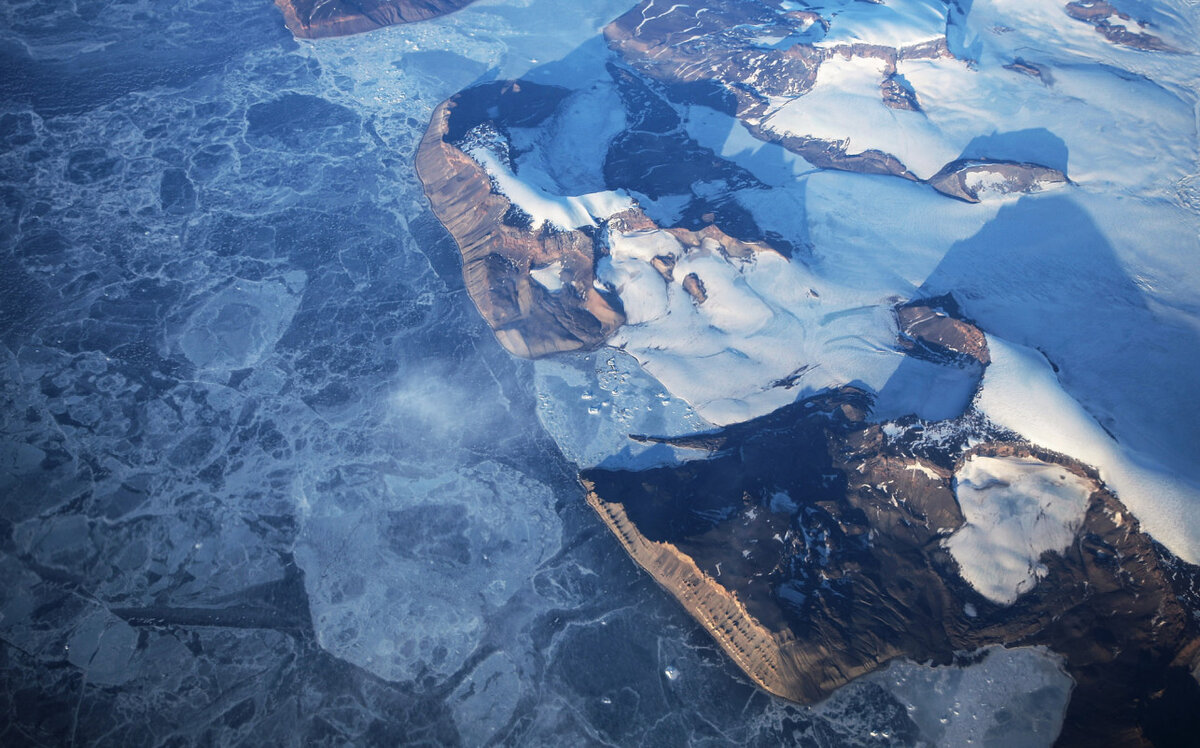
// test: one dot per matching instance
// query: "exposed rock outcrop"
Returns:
(1111, 22)
(708, 53)
(974, 181)
(811, 546)
(935, 326)
(709, 49)
(499, 255)
(534, 285)
(312, 19)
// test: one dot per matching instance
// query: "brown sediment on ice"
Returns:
(313, 19)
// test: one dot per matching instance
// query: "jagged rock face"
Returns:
(812, 546)
(499, 252)
(313, 19)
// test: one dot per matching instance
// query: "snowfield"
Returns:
(896, 23)
(1021, 392)
(769, 331)
(1015, 510)
(563, 212)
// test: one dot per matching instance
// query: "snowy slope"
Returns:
(766, 320)
(845, 105)
(563, 211)
(1109, 115)
(891, 23)
(1020, 392)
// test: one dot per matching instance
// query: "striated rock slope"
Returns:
(313, 19)
(500, 252)
(812, 546)
(533, 280)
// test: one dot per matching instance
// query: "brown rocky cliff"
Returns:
(884, 586)
(528, 319)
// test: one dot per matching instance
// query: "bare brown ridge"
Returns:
(499, 258)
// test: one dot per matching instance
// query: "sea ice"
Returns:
(591, 403)
(402, 570)
(239, 325)
(1013, 697)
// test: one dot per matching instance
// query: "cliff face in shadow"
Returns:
(313, 19)
(811, 545)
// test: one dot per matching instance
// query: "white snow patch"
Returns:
(759, 325)
(1015, 510)
(562, 211)
(920, 467)
(772, 330)
(1021, 392)
(549, 277)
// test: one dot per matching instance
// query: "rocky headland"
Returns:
(812, 545)
(500, 250)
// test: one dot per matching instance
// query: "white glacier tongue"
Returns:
(1015, 510)
(1021, 392)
